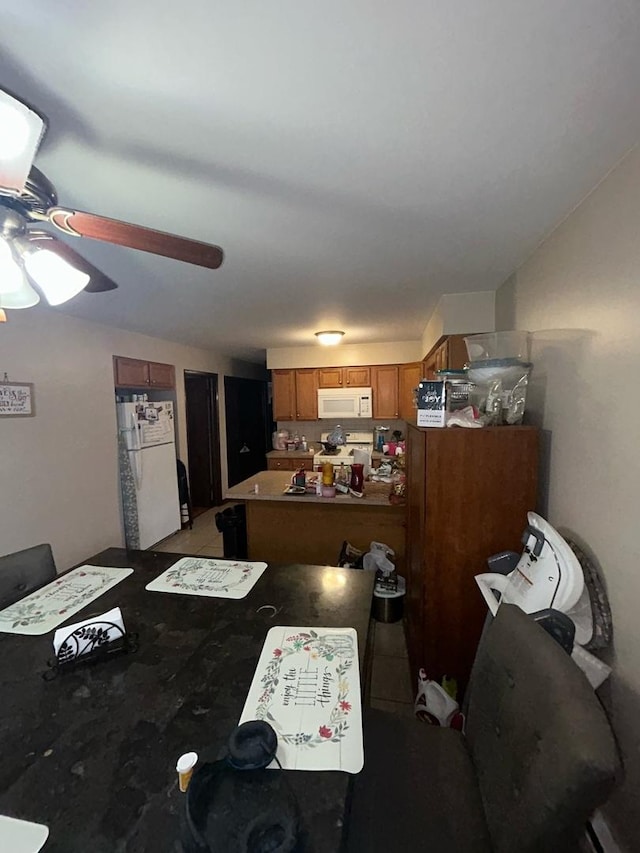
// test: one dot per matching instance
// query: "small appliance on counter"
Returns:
(280, 438)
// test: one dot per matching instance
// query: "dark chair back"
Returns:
(544, 752)
(24, 571)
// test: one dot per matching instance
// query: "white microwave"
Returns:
(342, 403)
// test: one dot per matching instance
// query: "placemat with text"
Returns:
(202, 576)
(307, 687)
(46, 608)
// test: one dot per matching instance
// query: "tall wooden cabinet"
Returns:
(468, 494)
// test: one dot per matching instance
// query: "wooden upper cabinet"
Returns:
(330, 377)
(451, 353)
(384, 381)
(342, 377)
(409, 377)
(306, 394)
(135, 373)
(359, 377)
(130, 372)
(162, 375)
(284, 394)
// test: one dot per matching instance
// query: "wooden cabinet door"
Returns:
(284, 394)
(457, 355)
(278, 464)
(330, 377)
(307, 394)
(162, 375)
(358, 377)
(385, 391)
(131, 372)
(409, 376)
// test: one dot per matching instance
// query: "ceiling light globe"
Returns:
(15, 131)
(56, 278)
(11, 275)
(329, 338)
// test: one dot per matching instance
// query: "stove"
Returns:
(344, 453)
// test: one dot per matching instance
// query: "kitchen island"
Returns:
(311, 529)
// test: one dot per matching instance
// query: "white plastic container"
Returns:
(511, 344)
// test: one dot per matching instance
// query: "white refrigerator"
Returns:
(149, 435)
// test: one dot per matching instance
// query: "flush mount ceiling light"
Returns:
(329, 338)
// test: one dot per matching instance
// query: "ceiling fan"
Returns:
(32, 255)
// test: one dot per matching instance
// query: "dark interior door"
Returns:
(248, 426)
(203, 439)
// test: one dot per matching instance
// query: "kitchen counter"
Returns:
(271, 485)
(311, 529)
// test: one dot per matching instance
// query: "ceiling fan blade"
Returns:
(98, 281)
(81, 224)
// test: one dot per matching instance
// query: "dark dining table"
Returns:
(92, 753)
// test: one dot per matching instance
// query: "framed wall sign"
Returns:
(17, 400)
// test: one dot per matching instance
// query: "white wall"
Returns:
(580, 294)
(59, 469)
(459, 314)
(344, 355)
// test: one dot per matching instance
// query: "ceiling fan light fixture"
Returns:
(22, 130)
(24, 297)
(329, 338)
(11, 274)
(56, 278)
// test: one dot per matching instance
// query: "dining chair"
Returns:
(537, 758)
(24, 571)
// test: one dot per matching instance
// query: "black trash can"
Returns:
(232, 523)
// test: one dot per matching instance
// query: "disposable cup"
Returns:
(185, 766)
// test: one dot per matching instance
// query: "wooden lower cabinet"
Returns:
(468, 494)
(289, 463)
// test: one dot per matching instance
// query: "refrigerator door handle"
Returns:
(136, 442)
(137, 468)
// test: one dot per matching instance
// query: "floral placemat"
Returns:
(46, 608)
(307, 686)
(215, 578)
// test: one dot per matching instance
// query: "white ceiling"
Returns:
(354, 159)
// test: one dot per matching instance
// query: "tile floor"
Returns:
(203, 539)
(391, 685)
(392, 688)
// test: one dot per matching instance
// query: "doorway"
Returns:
(203, 440)
(248, 425)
